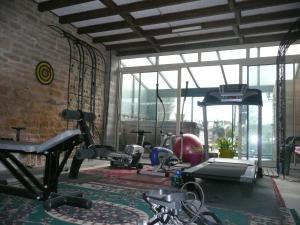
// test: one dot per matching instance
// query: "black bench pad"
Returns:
(19, 147)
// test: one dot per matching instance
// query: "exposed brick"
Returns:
(25, 40)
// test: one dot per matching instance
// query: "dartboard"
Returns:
(44, 73)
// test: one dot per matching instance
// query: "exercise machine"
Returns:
(179, 207)
(222, 168)
(132, 154)
(32, 186)
(130, 158)
(88, 150)
(162, 157)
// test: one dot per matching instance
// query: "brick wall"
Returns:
(25, 40)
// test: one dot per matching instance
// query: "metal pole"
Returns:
(205, 126)
(240, 120)
(139, 109)
(259, 143)
(156, 114)
(119, 82)
(240, 133)
(247, 141)
(178, 116)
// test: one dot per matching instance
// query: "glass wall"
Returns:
(147, 98)
(203, 71)
(263, 77)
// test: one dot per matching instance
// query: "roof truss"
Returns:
(150, 25)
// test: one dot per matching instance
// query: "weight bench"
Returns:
(32, 187)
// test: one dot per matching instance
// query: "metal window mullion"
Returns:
(132, 97)
(162, 76)
(250, 61)
(247, 107)
(222, 68)
(178, 116)
(156, 108)
(190, 72)
(139, 106)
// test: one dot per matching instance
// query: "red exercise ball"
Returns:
(192, 149)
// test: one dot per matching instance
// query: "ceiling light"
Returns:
(185, 29)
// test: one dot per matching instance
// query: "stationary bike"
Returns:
(161, 157)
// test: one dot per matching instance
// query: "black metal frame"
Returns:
(80, 53)
(32, 186)
(289, 38)
(213, 97)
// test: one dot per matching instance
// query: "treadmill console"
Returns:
(232, 92)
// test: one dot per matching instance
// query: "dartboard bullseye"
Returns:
(44, 73)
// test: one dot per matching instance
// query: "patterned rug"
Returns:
(117, 200)
(126, 177)
(112, 205)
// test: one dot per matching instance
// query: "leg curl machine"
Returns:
(32, 187)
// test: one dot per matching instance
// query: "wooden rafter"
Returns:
(189, 14)
(237, 16)
(132, 7)
(131, 22)
(233, 30)
(209, 44)
(210, 36)
(55, 4)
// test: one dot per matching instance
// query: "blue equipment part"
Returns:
(159, 153)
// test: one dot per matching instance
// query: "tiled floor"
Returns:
(289, 188)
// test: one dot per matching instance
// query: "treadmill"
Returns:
(240, 170)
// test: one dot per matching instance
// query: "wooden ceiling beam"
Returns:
(270, 16)
(135, 52)
(215, 10)
(202, 37)
(116, 37)
(266, 29)
(213, 44)
(197, 37)
(103, 27)
(92, 14)
(190, 14)
(188, 38)
(132, 7)
(220, 23)
(143, 44)
(248, 5)
(178, 16)
(55, 4)
(131, 22)
(157, 19)
(210, 11)
(237, 16)
(205, 25)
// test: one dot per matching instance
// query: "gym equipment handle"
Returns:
(77, 115)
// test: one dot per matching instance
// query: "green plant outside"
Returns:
(226, 147)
